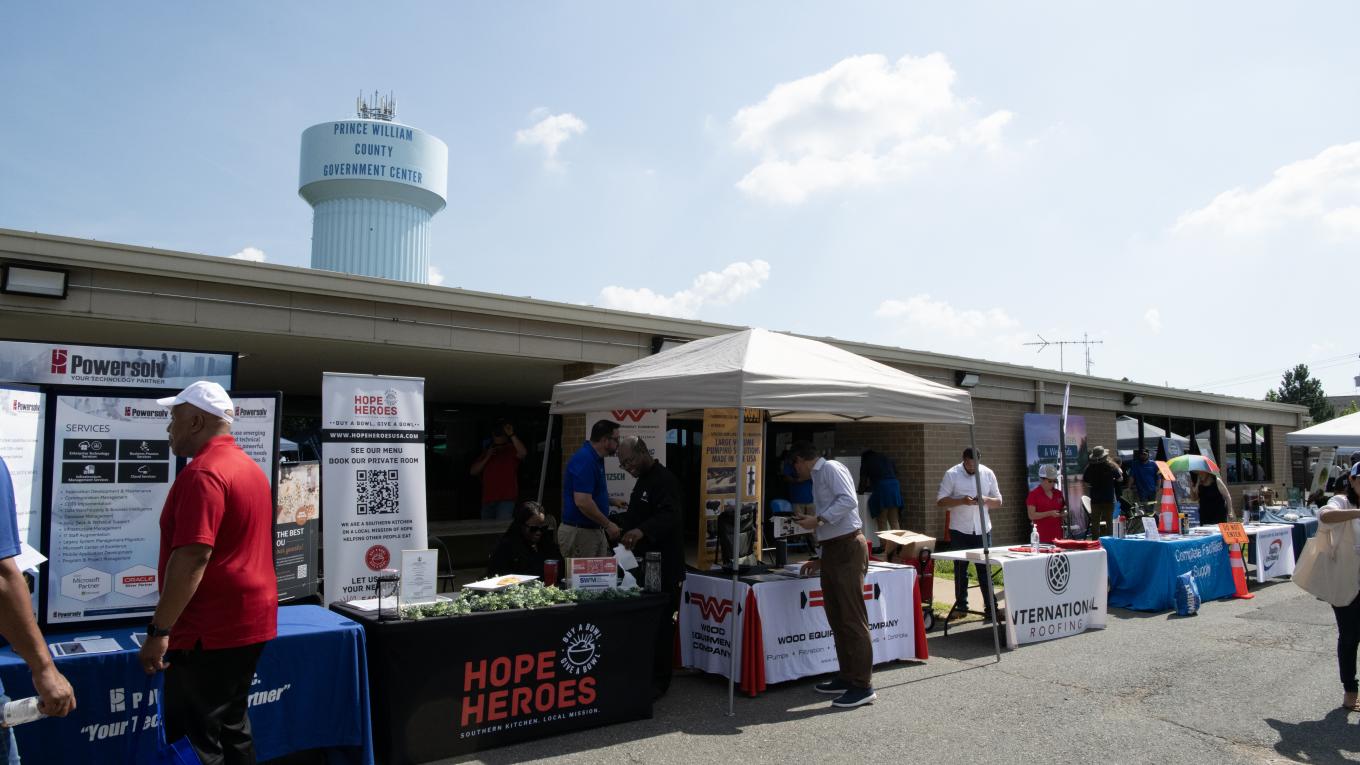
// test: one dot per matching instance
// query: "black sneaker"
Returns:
(834, 686)
(855, 697)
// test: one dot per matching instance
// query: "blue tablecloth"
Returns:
(1143, 574)
(310, 692)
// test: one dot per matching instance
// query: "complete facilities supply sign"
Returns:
(106, 366)
(372, 477)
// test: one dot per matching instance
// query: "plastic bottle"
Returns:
(1034, 537)
(21, 711)
(651, 573)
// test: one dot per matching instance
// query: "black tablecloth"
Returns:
(445, 686)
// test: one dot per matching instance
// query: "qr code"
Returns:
(376, 492)
(302, 571)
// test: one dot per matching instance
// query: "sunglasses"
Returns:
(534, 529)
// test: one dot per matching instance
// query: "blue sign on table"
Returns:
(310, 692)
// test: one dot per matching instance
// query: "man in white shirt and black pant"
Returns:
(969, 523)
(844, 562)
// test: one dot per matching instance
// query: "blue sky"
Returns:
(1181, 181)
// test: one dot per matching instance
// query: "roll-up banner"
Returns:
(109, 473)
(105, 366)
(22, 421)
(296, 493)
(721, 476)
(372, 477)
(647, 424)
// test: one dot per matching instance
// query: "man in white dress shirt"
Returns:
(844, 562)
(969, 523)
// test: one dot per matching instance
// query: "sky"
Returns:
(1179, 181)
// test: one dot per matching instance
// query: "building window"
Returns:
(1247, 453)
(1165, 437)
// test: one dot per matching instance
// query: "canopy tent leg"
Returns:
(733, 562)
(988, 594)
(547, 449)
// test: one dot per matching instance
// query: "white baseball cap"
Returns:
(208, 396)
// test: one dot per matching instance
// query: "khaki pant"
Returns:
(576, 542)
(845, 561)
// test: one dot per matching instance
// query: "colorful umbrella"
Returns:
(1187, 462)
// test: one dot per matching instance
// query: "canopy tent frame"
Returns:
(759, 369)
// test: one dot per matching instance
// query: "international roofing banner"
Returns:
(36, 363)
(647, 424)
(372, 477)
(21, 447)
(111, 469)
(1054, 596)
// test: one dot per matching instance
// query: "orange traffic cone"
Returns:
(1166, 513)
(1239, 571)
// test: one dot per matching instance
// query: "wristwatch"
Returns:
(152, 631)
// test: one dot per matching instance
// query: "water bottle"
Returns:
(651, 572)
(1120, 527)
(21, 711)
(1034, 537)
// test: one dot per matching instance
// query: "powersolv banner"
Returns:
(22, 414)
(372, 477)
(111, 469)
(110, 366)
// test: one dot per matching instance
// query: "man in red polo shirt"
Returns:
(218, 595)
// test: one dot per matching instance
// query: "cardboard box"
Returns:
(903, 545)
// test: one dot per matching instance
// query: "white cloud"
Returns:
(434, 276)
(1322, 192)
(550, 133)
(863, 121)
(1153, 318)
(922, 312)
(710, 287)
(253, 254)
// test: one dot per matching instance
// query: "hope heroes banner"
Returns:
(1054, 596)
(372, 477)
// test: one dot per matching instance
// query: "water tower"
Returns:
(373, 184)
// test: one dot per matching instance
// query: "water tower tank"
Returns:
(373, 184)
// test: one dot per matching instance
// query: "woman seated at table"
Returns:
(1045, 503)
(525, 545)
(1215, 503)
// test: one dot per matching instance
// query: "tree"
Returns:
(1298, 387)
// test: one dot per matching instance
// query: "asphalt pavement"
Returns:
(1245, 681)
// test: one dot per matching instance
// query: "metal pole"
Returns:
(736, 556)
(547, 449)
(988, 596)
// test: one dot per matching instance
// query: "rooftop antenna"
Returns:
(1085, 340)
(379, 108)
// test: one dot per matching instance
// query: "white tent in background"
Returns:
(1342, 432)
(794, 379)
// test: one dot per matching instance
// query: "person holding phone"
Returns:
(969, 523)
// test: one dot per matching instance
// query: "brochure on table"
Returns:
(593, 573)
(111, 469)
(372, 477)
(419, 578)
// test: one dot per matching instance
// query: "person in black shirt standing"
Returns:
(1103, 478)
(652, 524)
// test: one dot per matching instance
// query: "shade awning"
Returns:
(793, 378)
(1339, 432)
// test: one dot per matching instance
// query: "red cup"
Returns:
(550, 572)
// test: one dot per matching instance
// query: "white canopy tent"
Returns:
(794, 379)
(1342, 432)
